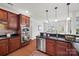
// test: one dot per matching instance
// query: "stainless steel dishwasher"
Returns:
(41, 44)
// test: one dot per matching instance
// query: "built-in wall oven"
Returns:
(25, 34)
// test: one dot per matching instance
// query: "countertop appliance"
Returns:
(25, 34)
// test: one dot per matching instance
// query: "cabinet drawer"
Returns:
(50, 41)
(50, 44)
(62, 43)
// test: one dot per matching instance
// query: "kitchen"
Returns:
(53, 27)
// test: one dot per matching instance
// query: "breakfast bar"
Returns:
(58, 44)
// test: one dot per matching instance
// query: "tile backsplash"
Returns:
(2, 26)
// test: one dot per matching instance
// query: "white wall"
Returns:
(34, 27)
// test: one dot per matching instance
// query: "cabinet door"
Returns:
(3, 47)
(61, 48)
(14, 43)
(3, 15)
(50, 47)
(71, 50)
(12, 21)
(25, 20)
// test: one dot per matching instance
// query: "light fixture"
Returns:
(56, 14)
(68, 18)
(47, 21)
(56, 20)
(27, 11)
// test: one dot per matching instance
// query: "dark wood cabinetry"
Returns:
(50, 47)
(3, 15)
(24, 20)
(12, 21)
(3, 47)
(14, 43)
(60, 48)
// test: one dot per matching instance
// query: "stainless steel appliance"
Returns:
(25, 34)
(41, 44)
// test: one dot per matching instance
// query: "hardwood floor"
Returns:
(25, 51)
(29, 50)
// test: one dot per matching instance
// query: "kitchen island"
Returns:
(57, 44)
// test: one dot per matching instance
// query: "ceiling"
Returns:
(37, 10)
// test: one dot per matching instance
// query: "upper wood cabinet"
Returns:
(12, 21)
(24, 20)
(3, 15)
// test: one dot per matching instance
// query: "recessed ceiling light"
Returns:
(68, 18)
(46, 21)
(56, 20)
(27, 11)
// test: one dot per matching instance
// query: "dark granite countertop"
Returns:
(55, 38)
(3, 35)
(74, 43)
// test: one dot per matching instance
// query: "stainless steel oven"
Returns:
(25, 34)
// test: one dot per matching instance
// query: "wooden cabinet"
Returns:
(3, 47)
(50, 47)
(60, 48)
(24, 20)
(12, 21)
(71, 50)
(3, 15)
(14, 43)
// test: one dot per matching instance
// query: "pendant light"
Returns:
(68, 18)
(46, 16)
(56, 21)
(56, 14)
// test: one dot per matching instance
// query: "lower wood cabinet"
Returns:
(60, 48)
(14, 43)
(50, 47)
(3, 47)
